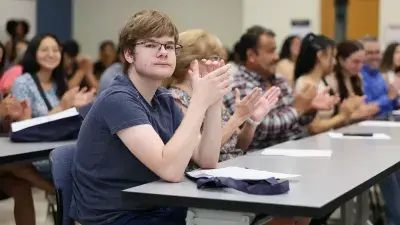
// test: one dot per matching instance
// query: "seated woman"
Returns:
(390, 65)
(10, 185)
(43, 89)
(316, 60)
(288, 56)
(199, 44)
(346, 79)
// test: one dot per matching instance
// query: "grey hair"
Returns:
(368, 38)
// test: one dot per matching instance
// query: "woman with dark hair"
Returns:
(346, 78)
(43, 83)
(43, 86)
(288, 56)
(17, 29)
(390, 64)
(315, 61)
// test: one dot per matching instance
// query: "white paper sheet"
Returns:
(375, 123)
(396, 112)
(376, 136)
(240, 173)
(17, 126)
(297, 152)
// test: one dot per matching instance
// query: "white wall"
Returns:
(277, 14)
(388, 15)
(17, 9)
(97, 20)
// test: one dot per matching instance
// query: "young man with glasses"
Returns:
(135, 133)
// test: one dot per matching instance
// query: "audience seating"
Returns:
(61, 160)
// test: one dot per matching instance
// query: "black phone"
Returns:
(359, 134)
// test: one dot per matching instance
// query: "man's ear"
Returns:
(128, 55)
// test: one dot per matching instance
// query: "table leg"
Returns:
(347, 213)
(362, 213)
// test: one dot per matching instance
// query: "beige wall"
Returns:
(97, 20)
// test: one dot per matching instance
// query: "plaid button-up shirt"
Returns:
(282, 123)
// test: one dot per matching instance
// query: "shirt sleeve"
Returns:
(122, 110)
(385, 103)
(177, 114)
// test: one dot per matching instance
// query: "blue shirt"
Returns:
(109, 75)
(376, 90)
(103, 165)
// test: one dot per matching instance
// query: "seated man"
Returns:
(257, 51)
(375, 87)
(135, 133)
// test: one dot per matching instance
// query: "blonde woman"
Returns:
(205, 49)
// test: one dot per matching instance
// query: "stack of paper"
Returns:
(375, 123)
(396, 112)
(375, 136)
(239, 173)
(17, 126)
(297, 152)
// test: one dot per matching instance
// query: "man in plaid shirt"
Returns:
(257, 51)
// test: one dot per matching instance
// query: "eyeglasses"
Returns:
(156, 46)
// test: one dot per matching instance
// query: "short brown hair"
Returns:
(196, 44)
(144, 25)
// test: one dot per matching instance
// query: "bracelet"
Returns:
(253, 122)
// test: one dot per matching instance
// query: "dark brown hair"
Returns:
(387, 58)
(344, 50)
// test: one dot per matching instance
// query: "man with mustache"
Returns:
(257, 51)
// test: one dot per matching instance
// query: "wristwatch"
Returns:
(253, 122)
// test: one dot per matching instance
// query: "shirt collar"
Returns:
(255, 75)
(369, 70)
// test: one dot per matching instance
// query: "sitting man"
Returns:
(257, 51)
(135, 133)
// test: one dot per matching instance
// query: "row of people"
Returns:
(184, 122)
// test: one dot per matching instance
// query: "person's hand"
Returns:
(393, 92)
(67, 100)
(266, 103)
(396, 82)
(245, 107)
(27, 110)
(3, 110)
(85, 64)
(346, 108)
(365, 111)
(303, 99)
(207, 66)
(324, 101)
(17, 110)
(83, 97)
(210, 88)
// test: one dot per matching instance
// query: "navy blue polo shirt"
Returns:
(103, 165)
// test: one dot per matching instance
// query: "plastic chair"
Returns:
(61, 160)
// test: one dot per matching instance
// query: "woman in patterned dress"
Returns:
(206, 48)
(237, 129)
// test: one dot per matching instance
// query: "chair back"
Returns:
(61, 160)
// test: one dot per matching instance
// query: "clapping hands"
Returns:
(256, 105)
(77, 98)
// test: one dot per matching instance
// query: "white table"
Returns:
(325, 184)
(11, 152)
